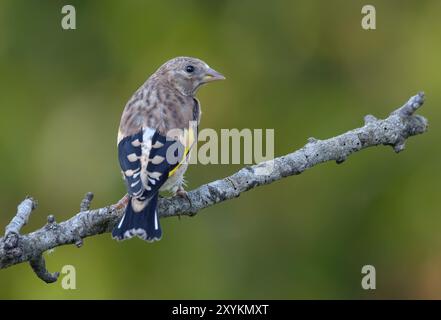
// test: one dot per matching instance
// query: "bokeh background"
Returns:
(305, 68)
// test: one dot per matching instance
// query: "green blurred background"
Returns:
(305, 68)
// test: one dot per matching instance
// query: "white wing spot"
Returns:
(134, 183)
(136, 143)
(132, 157)
(138, 193)
(157, 145)
(128, 173)
(157, 160)
(155, 175)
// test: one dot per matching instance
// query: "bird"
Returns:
(157, 132)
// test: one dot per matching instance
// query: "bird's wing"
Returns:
(165, 154)
(129, 155)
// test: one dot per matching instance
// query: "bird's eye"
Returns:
(189, 69)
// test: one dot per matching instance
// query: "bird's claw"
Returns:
(122, 203)
(181, 193)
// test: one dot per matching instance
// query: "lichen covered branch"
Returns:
(38, 264)
(392, 131)
(24, 210)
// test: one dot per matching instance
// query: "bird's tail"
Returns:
(140, 219)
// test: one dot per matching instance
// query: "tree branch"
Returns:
(393, 131)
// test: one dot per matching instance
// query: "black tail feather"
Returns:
(144, 224)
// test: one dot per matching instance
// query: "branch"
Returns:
(392, 131)
(12, 230)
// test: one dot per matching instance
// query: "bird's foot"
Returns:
(122, 203)
(181, 193)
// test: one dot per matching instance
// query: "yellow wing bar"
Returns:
(188, 140)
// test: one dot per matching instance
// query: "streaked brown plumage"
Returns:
(166, 100)
(164, 106)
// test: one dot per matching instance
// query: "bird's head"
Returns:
(187, 74)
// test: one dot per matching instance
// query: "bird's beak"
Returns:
(212, 75)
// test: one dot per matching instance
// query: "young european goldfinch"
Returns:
(155, 138)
